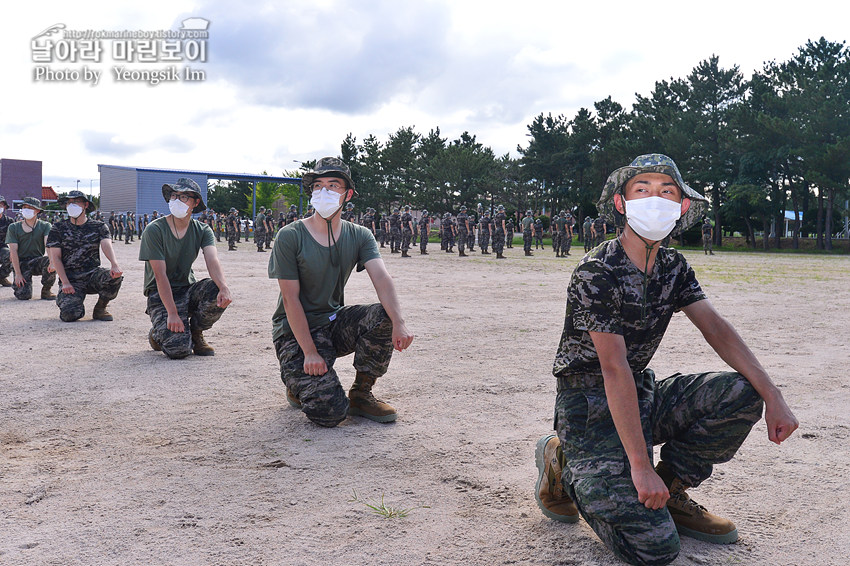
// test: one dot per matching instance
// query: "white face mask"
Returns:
(652, 217)
(178, 208)
(74, 210)
(2, 210)
(325, 202)
(28, 213)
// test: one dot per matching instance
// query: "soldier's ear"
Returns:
(620, 206)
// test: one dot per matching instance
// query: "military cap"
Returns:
(33, 202)
(232, 209)
(500, 207)
(293, 207)
(328, 167)
(406, 207)
(528, 212)
(463, 208)
(395, 210)
(349, 205)
(63, 200)
(3, 200)
(650, 163)
(184, 185)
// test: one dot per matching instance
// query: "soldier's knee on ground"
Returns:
(23, 293)
(177, 346)
(327, 412)
(72, 314)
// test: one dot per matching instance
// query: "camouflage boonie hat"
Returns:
(32, 201)
(184, 185)
(650, 163)
(328, 167)
(4, 201)
(63, 200)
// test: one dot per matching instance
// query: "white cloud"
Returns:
(287, 81)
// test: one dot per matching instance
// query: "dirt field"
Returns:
(112, 454)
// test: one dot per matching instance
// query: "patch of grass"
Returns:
(384, 510)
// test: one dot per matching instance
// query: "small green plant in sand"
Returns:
(384, 510)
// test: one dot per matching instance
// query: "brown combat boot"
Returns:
(363, 403)
(100, 312)
(155, 346)
(292, 399)
(46, 295)
(549, 491)
(5, 282)
(691, 518)
(199, 345)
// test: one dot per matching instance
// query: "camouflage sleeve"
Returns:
(594, 299)
(689, 289)
(103, 231)
(54, 237)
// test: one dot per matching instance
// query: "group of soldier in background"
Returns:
(400, 230)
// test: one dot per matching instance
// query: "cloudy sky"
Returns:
(287, 80)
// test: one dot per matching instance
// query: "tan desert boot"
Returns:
(362, 403)
(549, 491)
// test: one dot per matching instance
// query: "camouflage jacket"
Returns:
(605, 294)
(5, 221)
(79, 245)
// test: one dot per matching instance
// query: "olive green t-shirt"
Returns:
(158, 242)
(30, 244)
(298, 256)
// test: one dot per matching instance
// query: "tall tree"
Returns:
(710, 160)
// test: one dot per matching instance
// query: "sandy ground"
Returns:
(112, 454)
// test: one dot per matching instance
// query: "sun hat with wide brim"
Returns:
(328, 167)
(63, 200)
(650, 163)
(33, 202)
(184, 185)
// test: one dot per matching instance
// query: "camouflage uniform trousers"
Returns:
(365, 330)
(231, 238)
(566, 241)
(509, 239)
(405, 239)
(29, 267)
(259, 237)
(423, 243)
(5, 262)
(196, 305)
(538, 240)
(269, 237)
(462, 238)
(381, 236)
(499, 241)
(700, 419)
(556, 242)
(526, 240)
(395, 238)
(484, 240)
(706, 242)
(98, 281)
(470, 241)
